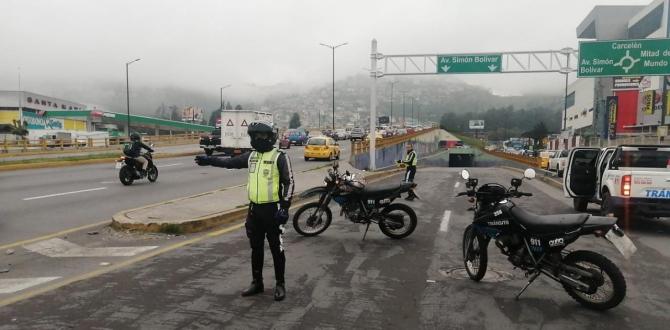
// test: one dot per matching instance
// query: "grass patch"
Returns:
(60, 159)
(170, 228)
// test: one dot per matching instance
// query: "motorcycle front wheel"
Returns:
(152, 173)
(397, 221)
(604, 293)
(307, 222)
(475, 256)
(126, 176)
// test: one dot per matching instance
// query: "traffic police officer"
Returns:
(270, 189)
(410, 163)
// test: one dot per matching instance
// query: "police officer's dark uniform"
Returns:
(270, 189)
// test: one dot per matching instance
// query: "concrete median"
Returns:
(211, 209)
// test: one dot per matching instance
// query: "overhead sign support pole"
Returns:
(373, 104)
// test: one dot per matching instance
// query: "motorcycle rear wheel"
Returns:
(475, 255)
(398, 221)
(305, 220)
(608, 294)
(126, 176)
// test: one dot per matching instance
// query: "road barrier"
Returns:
(532, 161)
(97, 143)
(391, 149)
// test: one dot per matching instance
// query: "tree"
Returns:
(216, 114)
(294, 122)
(238, 107)
(229, 106)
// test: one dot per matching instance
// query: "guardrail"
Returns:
(26, 145)
(532, 161)
(358, 147)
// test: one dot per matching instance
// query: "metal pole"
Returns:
(391, 115)
(565, 104)
(666, 10)
(221, 99)
(412, 108)
(333, 89)
(403, 109)
(20, 102)
(127, 101)
(373, 104)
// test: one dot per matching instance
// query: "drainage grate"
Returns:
(492, 275)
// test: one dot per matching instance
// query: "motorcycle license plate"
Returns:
(622, 243)
(119, 165)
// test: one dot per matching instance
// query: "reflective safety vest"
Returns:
(263, 184)
(409, 156)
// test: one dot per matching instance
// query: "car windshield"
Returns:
(316, 142)
(647, 158)
(564, 153)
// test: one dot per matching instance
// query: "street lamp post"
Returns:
(412, 99)
(128, 94)
(391, 115)
(333, 49)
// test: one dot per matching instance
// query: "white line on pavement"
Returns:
(60, 248)
(177, 164)
(444, 225)
(65, 193)
(107, 182)
(458, 183)
(11, 285)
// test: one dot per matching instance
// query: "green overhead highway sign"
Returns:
(469, 63)
(639, 57)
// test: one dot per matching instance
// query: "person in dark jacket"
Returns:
(135, 152)
(270, 189)
(410, 162)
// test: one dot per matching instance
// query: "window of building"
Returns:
(570, 100)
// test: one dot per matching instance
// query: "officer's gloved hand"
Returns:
(203, 160)
(398, 161)
(281, 216)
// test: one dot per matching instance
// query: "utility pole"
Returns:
(221, 89)
(333, 49)
(391, 115)
(128, 94)
(403, 108)
(412, 99)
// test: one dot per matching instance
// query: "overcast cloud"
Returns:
(205, 44)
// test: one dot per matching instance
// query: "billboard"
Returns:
(384, 120)
(192, 114)
(476, 124)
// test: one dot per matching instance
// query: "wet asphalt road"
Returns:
(336, 280)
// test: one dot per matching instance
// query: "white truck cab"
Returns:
(624, 180)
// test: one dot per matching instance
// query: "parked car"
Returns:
(284, 142)
(357, 133)
(297, 136)
(626, 180)
(322, 147)
(341, 134)
(557, 162)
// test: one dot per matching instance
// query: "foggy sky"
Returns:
(204, 45)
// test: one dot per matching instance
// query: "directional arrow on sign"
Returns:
(59, 248)
(493, 67)
(445, 68)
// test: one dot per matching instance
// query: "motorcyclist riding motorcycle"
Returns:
(270, 189)
(134, 150)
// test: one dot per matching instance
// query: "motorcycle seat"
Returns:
(548, 224)
(385, 190)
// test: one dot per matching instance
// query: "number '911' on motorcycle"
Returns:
(537, 244)
(359, 203)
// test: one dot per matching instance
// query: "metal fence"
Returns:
(96, 143)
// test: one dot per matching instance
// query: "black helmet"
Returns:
(262, 144)
(135, 137)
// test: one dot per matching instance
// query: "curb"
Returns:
(546, 179)
(121, 222)
(64, 163)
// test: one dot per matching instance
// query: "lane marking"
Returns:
(11, 285)
(122, 264)
(65, 193)
(60, 248)
(107, 182)
(177, 164)
(444, 225)
(458, 183)
(60, 233)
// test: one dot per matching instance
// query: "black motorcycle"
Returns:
(359, 203)
(537, 244)
(131, 170)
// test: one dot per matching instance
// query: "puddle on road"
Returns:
(492, 275)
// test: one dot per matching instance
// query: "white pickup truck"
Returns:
(624, 180)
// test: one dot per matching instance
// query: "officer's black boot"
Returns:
(256, 287)
(280, 291)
